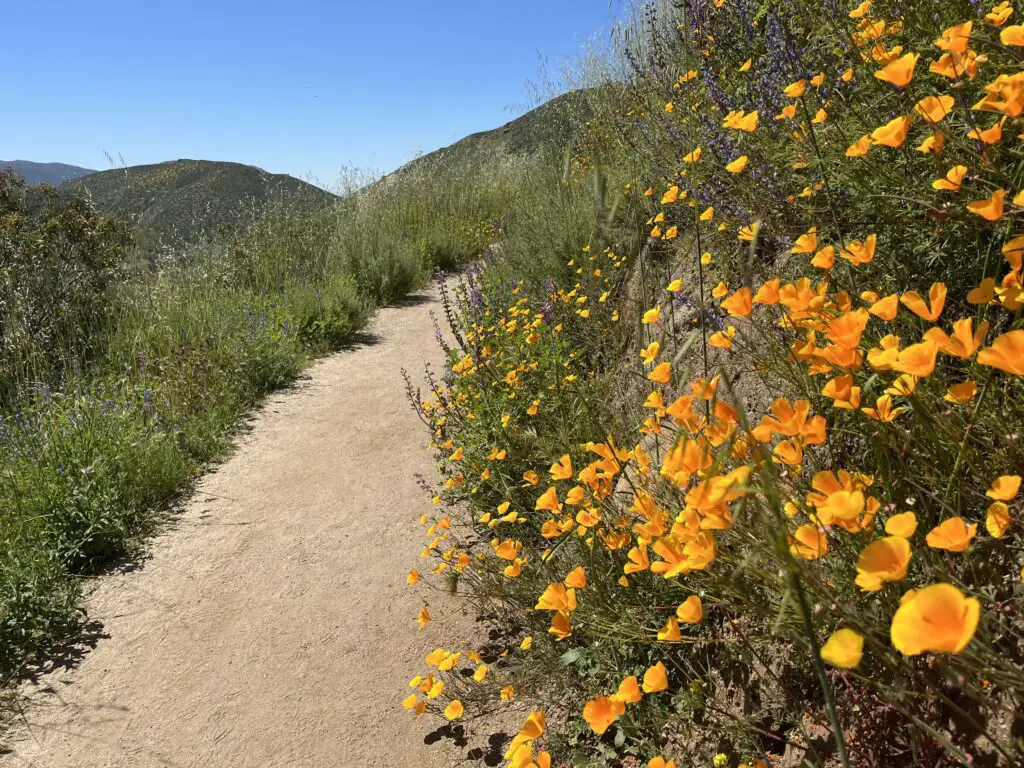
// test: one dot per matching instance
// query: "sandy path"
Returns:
(272, 625)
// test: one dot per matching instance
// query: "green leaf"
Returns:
(570, 657)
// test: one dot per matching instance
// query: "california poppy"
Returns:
(795, 90)
(961, 393)
(737, 165)
(807, 242)
(857, 252)
(601, 713)
(931, 311)
(1012, 35)
(655, 678)
(934, 108)
(577, 578)
(1006, 353)
(903, 524)
(1004, 488)
(899, 72)
(843, 649)
(882, 560)
(629, 691)
(690, 610)
(661, 374)
(952, 534)
(955, 38)
(951, 183)
(808, 542)
(917, 359)
(885, 308)
(893, 133)
(939, 619)
(997, 519)
(670, 632)
(738, 304)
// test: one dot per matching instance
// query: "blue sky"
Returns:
(299, 86)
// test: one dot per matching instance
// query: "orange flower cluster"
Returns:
(869, 468)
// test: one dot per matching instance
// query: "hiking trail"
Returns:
(270, 624)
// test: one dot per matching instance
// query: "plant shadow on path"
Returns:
(492, 755)
(410, 300)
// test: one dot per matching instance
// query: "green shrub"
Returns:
(60, 264)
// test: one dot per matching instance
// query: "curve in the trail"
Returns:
(272, 625)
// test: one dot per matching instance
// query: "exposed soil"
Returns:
(271, 624)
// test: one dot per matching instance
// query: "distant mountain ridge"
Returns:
(182, 202)
(45, 173)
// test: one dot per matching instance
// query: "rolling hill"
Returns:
(182, 202)
(547, 128)
(45, 173)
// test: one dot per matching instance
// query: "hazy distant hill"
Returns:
(45, 173)
(186, 201)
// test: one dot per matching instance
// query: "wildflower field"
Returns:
(731, 426)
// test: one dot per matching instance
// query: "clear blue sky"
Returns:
(294, 86)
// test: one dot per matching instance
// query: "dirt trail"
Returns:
(272, 625)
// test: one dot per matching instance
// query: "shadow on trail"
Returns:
(456, 733)
(410, 300)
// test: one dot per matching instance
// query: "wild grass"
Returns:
(123, 377)
(730, 438)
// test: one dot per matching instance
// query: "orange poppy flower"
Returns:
(655, 679)
(739, 304)
(601, 713)
(952, 534)
(691, 610)
(1004, 488)
(937, 619)
(857, 252)
(930, 312)
(843, 649)
(954, 176)
(893, 133)
(808, 542)
(899, 72)
(882, 560)
(961, 393)
(1006, 353)
(934, 108)
(997, 519)
(903, 524)
(955, 38)
(917, 359)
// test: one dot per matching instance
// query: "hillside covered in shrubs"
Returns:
(731, 427)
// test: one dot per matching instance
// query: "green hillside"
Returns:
(187, 201)
(547, 128)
